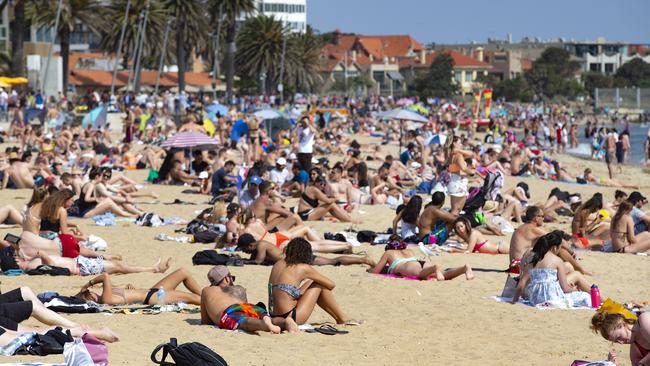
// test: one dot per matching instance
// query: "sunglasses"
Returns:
(106, 175)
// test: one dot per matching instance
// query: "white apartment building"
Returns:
(293, 12)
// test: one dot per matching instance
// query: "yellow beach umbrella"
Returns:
(4, 85)
(14, 81)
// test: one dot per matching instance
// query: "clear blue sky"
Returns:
(460, 21)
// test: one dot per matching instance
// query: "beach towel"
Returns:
(544, 306)
(71, 305)
(107, 219)
(590, 363)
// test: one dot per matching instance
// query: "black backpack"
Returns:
(50, 343)
(187, 354)
(211, 257)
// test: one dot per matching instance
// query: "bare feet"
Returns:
(291, 326)
(269, 326)
(162, 267)
(469, 274)
(104, 334)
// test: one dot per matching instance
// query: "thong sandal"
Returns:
(327, 330)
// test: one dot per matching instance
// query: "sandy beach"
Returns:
(406, 322)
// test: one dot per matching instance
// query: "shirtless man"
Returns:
(273, 214)
(225, 304)
(263, 252)
(524, 238)
(190, 125)
(433, 222)
(338, 187)
(19, 173)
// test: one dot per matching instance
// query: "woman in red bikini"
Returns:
(625, 328)
(476, 242)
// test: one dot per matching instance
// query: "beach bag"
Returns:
(187, 354)
(509, 287)
(87, 351)
(50, 343)
(213, 258)
(149, 219)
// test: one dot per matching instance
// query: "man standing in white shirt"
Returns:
(306, 134)
(279, 174)
(4, 103)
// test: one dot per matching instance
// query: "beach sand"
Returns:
(406, 322)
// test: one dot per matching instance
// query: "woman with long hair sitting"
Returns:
(476, 242)
(545, 278)
(622, 232)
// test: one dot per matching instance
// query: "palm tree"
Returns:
(260, 48)
(191, 23)
(302, 60)
(43, 13)
(17, 37)
(154, 33)
(232, 10)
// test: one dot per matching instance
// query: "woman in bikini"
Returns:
(314, 204)
(257, 229)
(401, 262)
(622, 327)
(474, 239)
(296, 287)
(111, 295)
(622, 232)
(408, 216)
(583, 230)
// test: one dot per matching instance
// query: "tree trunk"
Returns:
(64, 38)
(17, 39)
(180, 52)
(231, 48)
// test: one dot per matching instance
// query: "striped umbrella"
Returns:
(191, 140)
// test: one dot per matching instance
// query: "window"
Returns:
(468, 76)
(594, 67)
(458, 76)
(609, 68)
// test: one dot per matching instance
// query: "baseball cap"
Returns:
(255, 180)
(203, 175)
(281, 161)
(293, 156)
(217, 274)
(635, 197)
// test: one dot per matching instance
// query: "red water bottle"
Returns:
(595, 297)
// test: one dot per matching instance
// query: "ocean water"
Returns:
(638, 134)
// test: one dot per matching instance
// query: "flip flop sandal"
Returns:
(327, 330)
(354, 322)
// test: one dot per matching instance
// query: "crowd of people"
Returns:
(447, 188)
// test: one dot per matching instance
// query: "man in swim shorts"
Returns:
(525, 235)
(226, 305)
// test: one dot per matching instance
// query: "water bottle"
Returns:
(161, 296)
(595, 297)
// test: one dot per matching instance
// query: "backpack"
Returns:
(213, 258)
(50, 343)
(187, 354)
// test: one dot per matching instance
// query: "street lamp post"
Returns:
(142, 37)
(119, 47)
(135, 50)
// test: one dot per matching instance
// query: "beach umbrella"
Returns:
(267, 113)
(215, 108)
(403, 115)
(4, 84)
(449, 106)
(419, 108)
(404, 102)
(14, 81)
(190, 140)
(275, 125)
(95, 118)
(438, 139)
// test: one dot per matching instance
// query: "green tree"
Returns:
(437, 82)
(635, 72)
(232, 11)
(512, 90)
(191, 24)
(302, 60)
(260, 48)
(155, 30)
(43, 13)
(554, 74)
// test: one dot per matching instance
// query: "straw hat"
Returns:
(490, 206)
